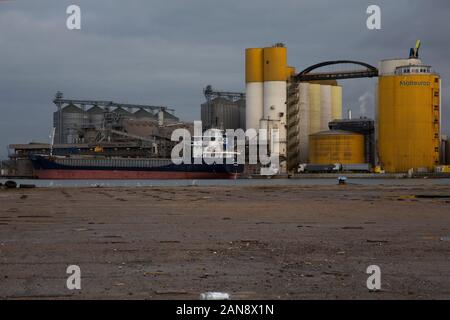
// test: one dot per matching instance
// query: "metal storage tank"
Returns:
(144, 114)
(362, 126)
(275, 91)
(409, 119)
(254, 90)
(336, 103)
(241, 105)
(165, 117)
(304, 122)
(96, 117)
(330, 147)
(220, 113)
(124, 113)
(325, 107)
(73, 120)
(314, 113)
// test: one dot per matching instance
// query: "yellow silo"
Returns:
(254, 78)
(330, 147)
(408, 118)
(275, 92)
(275, 63)
(254, 65)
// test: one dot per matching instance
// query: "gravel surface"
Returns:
(293, 242)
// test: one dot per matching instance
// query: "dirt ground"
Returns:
(252, 242)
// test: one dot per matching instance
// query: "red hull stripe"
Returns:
(55, 174)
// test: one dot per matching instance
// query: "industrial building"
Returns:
(307, 109)
(311, 106)
(101, 128)
(223, 110)
(276, 100)
(89, 121)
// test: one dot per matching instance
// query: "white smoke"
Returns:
(365, 101)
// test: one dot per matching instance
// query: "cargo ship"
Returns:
(96, 168)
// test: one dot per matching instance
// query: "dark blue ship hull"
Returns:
(47, 167)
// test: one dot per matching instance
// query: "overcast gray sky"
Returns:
(166, 51)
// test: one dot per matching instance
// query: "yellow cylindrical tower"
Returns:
(275, 64)
(254, 65)
(409, 119)
(275, 89)
(330, 147)
(336, 102)
(254, 88)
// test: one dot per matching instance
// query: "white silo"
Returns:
(336, 102)
(325, 107)
(254, 90)
(275, 92)
(314, 110)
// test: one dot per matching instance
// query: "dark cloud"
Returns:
(165, 52)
